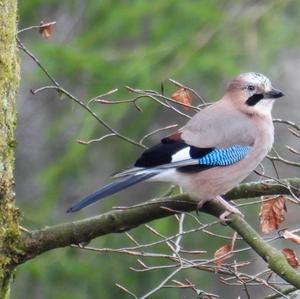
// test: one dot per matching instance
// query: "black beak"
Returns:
(273, 94)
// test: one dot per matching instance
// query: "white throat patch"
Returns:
(264, 106)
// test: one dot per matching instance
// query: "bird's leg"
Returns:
(200, 204)
(230, 209)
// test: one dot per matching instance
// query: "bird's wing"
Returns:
(173, 152)
(217, 136)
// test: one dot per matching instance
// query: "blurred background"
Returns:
(97, 46)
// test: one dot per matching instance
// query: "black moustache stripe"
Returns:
(254, 99)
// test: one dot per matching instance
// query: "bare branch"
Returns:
(61, 90)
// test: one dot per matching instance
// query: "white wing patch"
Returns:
(183, 154)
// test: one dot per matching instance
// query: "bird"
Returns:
(216, 149)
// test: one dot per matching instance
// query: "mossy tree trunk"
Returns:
(9, 82)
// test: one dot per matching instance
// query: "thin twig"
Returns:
(96, 140)
(36, 27)
(156, 131)
(34, 58)
(99, 97)
(126, 290)
(287, 122)
(154, 290)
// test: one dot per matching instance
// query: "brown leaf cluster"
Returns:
(221, 255)
(271, 213)
(182, 96)
(291, 257)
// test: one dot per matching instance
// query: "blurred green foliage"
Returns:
(101, 45)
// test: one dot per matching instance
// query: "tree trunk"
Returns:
(9, 82)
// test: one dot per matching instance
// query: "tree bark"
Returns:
(9, 83)
(36, 242)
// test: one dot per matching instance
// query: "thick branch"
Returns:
(36, 242)
(116, 221)
(267, 187)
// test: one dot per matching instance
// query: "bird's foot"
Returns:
(230, 209)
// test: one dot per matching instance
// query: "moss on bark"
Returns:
(9, 82)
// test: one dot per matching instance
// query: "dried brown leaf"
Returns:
(272, 212)
(182, 96)
(291, 257)
(291, 236)
(46, 29)
(221, 255)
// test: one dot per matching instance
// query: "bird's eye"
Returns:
(251, 87)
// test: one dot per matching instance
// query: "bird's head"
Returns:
(253, 93)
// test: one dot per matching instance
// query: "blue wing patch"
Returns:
(225, 156)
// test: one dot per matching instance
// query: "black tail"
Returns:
(110, 189)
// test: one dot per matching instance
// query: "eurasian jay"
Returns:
(217, 148)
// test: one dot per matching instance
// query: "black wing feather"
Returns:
(162, 153)
(193, 168)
